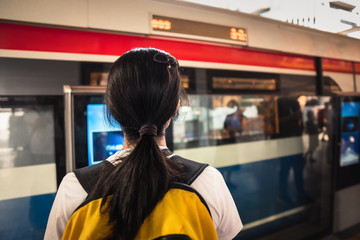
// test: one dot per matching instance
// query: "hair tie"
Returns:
(148, 130)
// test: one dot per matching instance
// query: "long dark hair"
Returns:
(143, 89)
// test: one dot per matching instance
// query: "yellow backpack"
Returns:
(181, 214)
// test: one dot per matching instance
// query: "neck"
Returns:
(161, 142)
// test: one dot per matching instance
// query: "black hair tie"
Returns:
(148, 130)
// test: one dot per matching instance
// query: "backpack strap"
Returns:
(192, 169)
(89, 176)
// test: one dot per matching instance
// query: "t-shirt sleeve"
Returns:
(212, 187)
(68, 197)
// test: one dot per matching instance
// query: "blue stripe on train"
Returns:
(266, 188)
(25, 218)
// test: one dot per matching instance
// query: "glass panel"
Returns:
(272, 153)
(223, 119)
(26, 136)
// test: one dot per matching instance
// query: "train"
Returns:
(266, 108)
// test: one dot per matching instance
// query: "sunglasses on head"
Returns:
(163, 58)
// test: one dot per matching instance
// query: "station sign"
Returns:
(176, 27)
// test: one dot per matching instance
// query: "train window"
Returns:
(28, 133)
(214, 120)
(32, 131)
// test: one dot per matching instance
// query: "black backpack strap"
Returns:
(191, 168)
(89, 176)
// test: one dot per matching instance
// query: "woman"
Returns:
(143, 94)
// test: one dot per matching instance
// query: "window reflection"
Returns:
(223, 119)
(216, 120)
(26, 136)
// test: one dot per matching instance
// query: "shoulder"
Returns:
(211, 172)
(212, 187)
(68, 197)
(210, 180)
(70, 186)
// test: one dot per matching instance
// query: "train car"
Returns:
(264, 101)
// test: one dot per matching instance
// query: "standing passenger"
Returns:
(234, 123)
(313, 130)
(143, 94)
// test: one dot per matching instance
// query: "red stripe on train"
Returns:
(51, 39)
(357, 68)
(35, 38)
(333, 65)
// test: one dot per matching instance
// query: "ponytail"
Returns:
(143, 180)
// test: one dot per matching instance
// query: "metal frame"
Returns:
(69, 92)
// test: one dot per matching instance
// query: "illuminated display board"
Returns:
(244, 83)
(171, 26)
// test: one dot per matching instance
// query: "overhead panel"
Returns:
(169, 26)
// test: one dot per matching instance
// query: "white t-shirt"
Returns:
(210, 184)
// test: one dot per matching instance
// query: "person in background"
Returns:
(290, 126)
(234, 123)
(313, 131)
(321, 121)
(143, 95)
